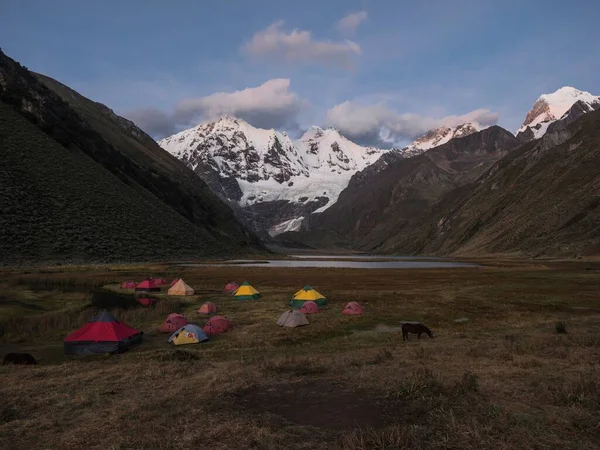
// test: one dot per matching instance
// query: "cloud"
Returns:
(349, 23)
(299, 47)
(379, 125)
(270, 105)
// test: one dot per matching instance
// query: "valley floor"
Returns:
(497, 374)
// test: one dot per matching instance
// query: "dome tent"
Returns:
(353, 309)
(309, 307)
(292, 318)
(172, 323)
(217, 325)
(307, 294)
(188, 334)
(231, 287)
(128, 285)
(208, 308)
(103, 334)
(246, 292)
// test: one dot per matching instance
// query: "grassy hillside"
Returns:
(118, 147)
(541, 200)
(60, 205)
(497, 375)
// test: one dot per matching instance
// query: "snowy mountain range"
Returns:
(556, 106)
(273, 182)
(265, 172)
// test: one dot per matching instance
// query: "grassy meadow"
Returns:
(501, 372)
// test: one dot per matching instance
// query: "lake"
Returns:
(345, 262)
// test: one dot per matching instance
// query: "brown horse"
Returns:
(415, 328)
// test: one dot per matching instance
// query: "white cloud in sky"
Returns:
(350, 22)
(300, 47)
(270, 105)
(368, 123)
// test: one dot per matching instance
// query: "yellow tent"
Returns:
(180, 288)
(246, 292)
(307, 294)
(189, 334)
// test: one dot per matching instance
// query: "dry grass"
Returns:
(504, 378)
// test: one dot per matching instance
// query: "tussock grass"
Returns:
(503, 380)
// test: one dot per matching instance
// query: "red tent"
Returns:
(173, 323)
(128, 285)
(148, 285)
(145, 301)
(309, 308)
(231, 287)
(104, 334)
(160, 281)
(174, 282)
(208, 308)
(353, 309)
(217, 325)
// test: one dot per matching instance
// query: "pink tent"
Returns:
(208, 308)
(128, 285)
(161, 281)
(231, 287)
(309, 308)
(217, 325)
(173, 323)
(144, 301)
(353, 309)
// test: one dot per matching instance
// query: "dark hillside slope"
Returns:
(123, 149)
(383, 199)
(60, 205)
(543, 199)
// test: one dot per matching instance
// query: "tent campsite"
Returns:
(309, 307)
(208, 308)
(246, 292)
(306, 294)
(231, 287)
(103, 334)
(188, 334)
(217, 325)
(128, 285)
(148, 285)
(180, 288)
(172, 323)
(292, 318)
(353, 309)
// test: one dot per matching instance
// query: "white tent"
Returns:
(292, 318)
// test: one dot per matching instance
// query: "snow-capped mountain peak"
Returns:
(440, 136)
(250, 166)
(551, 107)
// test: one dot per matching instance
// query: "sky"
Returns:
(383, 72)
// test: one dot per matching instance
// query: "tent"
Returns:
(217, 325)
(174, 282)
(353, 309)
(180, 288)
(292, 318)
(161, 281)
(146, 301)
(172, 323)
(208, 308)
(246, 292)
(309, 307)
(231, 287)
(306, 294)
(188, 334)
(103, 334)
(148, 285)
(128, 285)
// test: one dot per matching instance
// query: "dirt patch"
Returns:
(329, 405)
